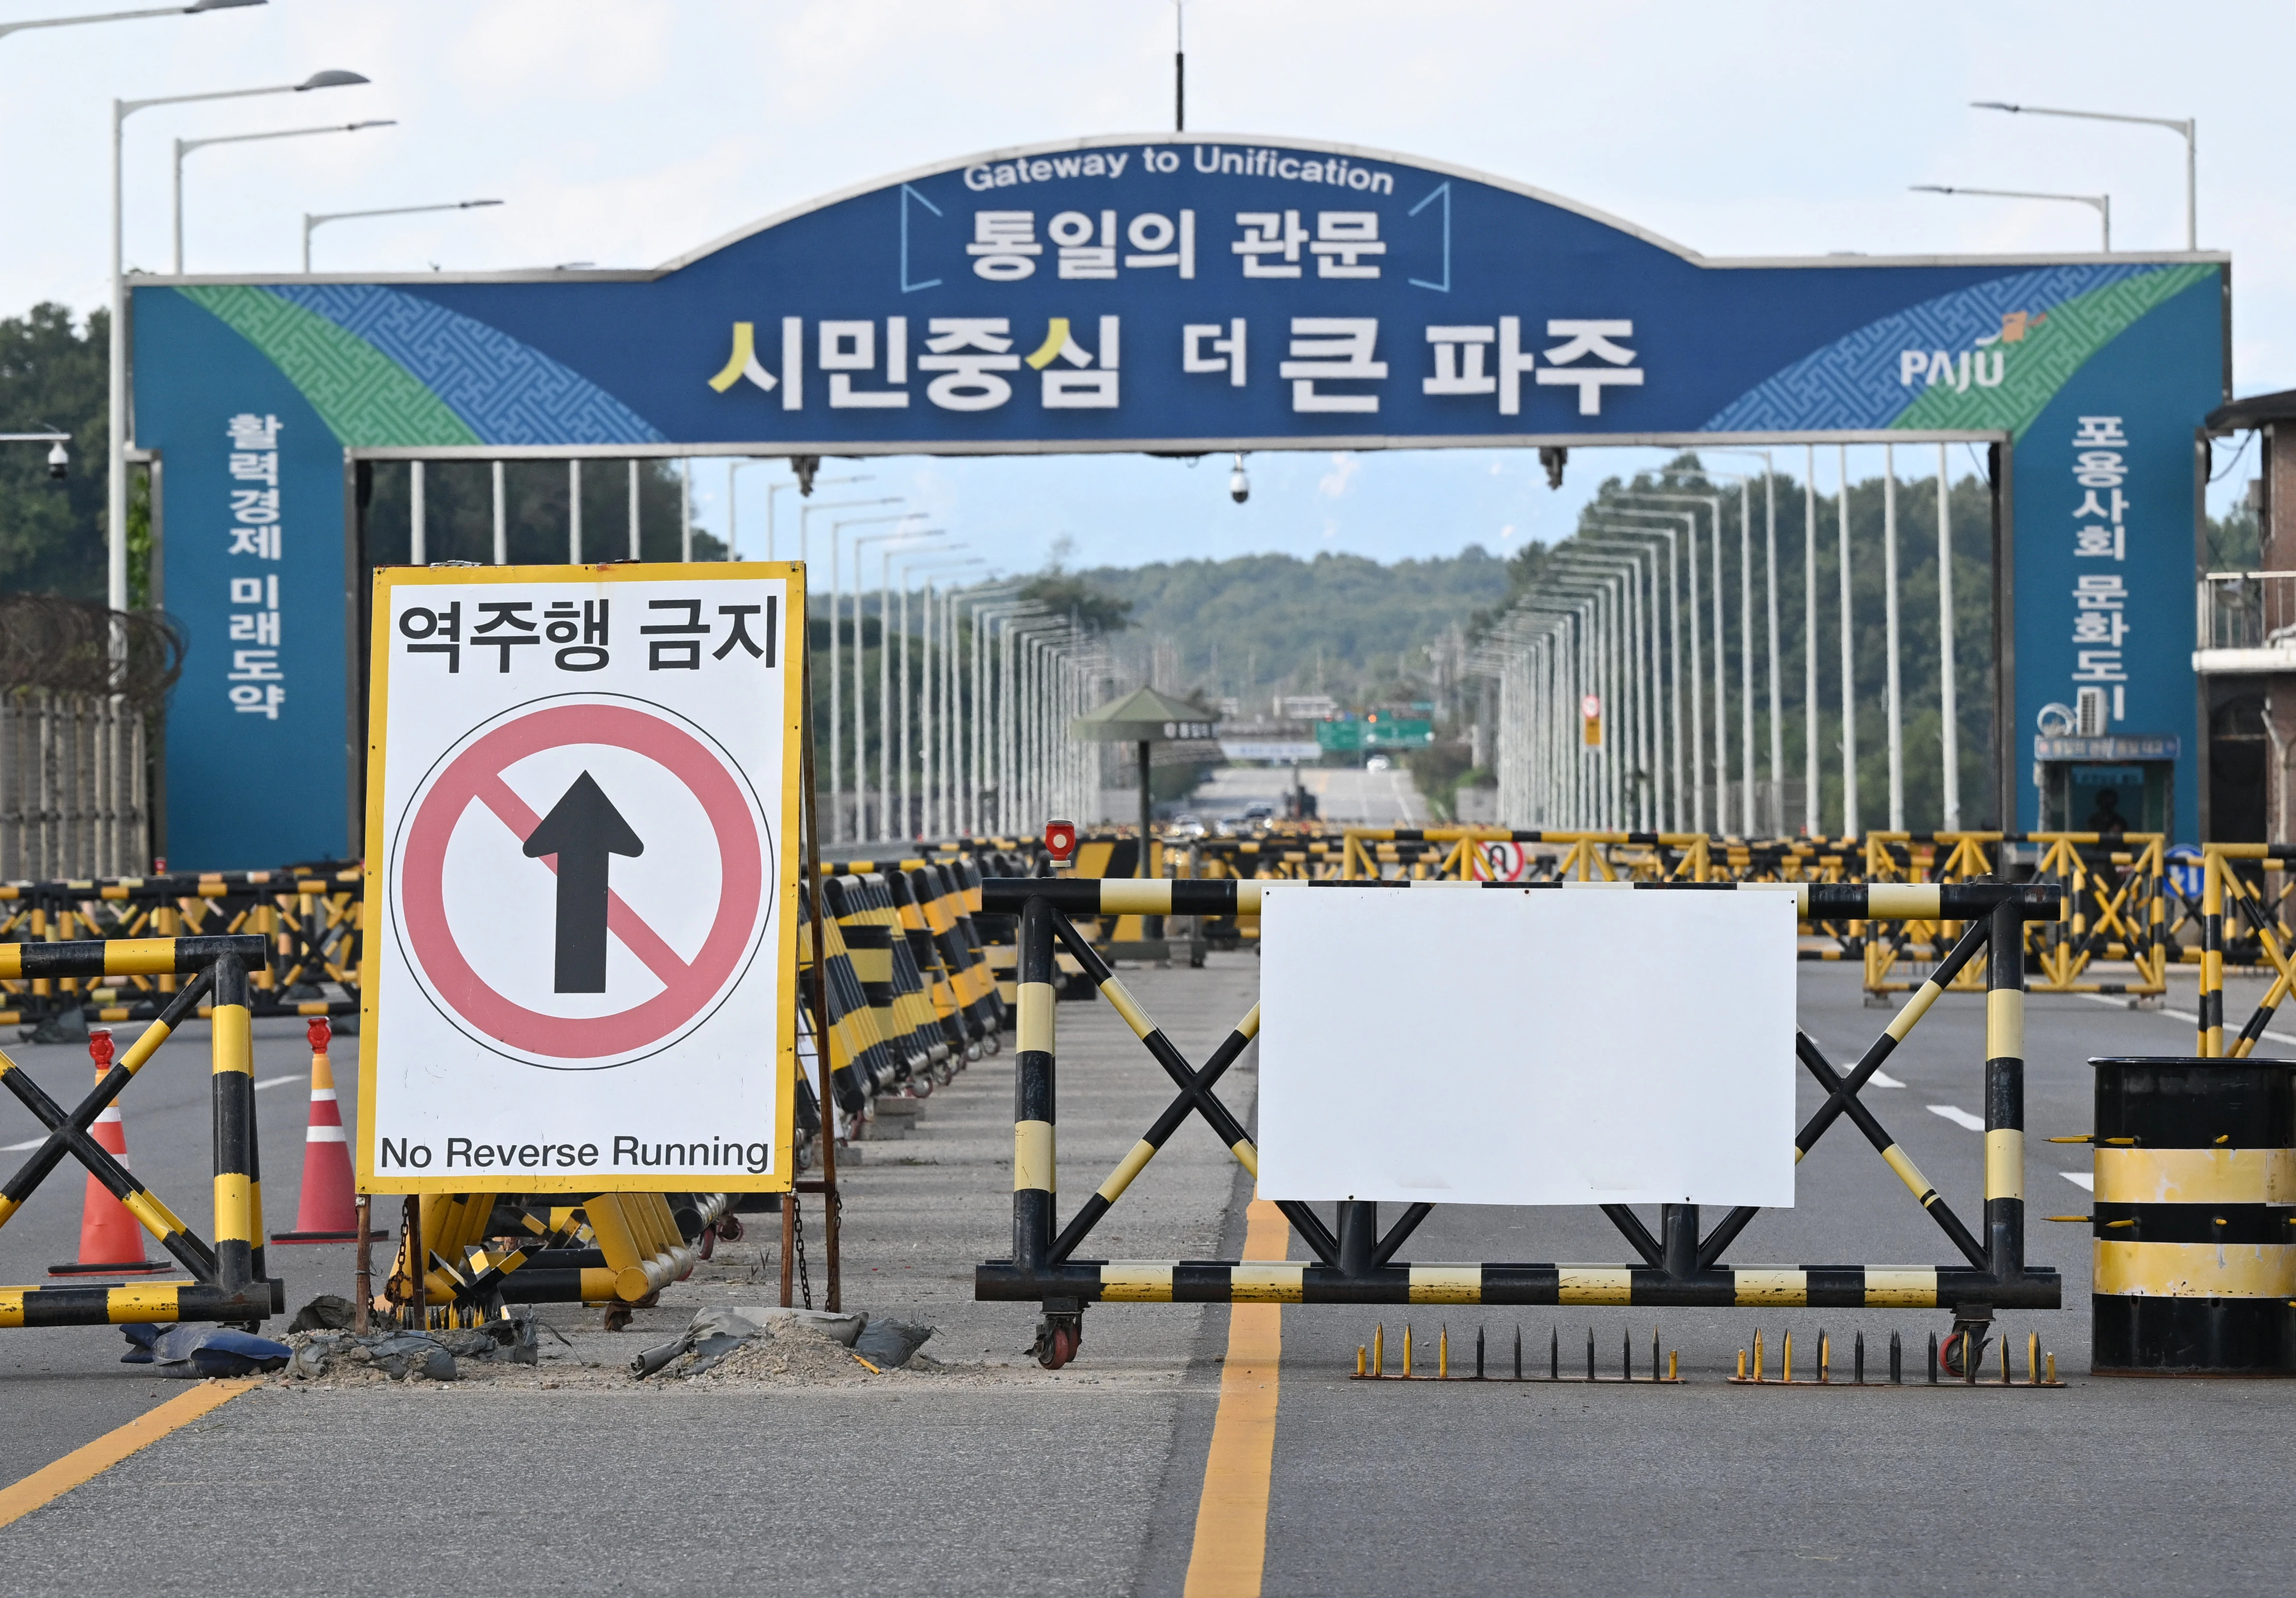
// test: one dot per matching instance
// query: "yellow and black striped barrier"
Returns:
(309, 919)
(2230, 880)
(2193, 1171)
(1355, 1261)
(229, 1281)
(482, 1251)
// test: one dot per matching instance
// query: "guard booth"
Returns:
(1142, 719)
(2084, 782)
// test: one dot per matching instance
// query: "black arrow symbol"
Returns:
(582, 829)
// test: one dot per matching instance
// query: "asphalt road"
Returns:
(1010, 1480)
(1345, 796)
(60, 1387)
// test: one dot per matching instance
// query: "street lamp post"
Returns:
(836, 686)
(194, 9)
(1894, 703)
(804, 550)
(2189, 128)
(1747, 820)
(186, 146)
(732, 530)
(1721, 675)
(1666, 717)
(991, 704)
(312, 221)
(1849, 817)
(115, 532)
(1770, 588)
(2100, 203)
(893, 542)
(921, 714)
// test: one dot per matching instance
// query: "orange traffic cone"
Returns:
(110, 1242)
(326, 1213)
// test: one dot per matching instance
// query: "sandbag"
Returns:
(889, 1344)
(194, 1352)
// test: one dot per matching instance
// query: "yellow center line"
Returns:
(1231, 1546)
(85, 1464)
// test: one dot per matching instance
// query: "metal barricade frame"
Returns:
(1355, 1260)
(228, 1283)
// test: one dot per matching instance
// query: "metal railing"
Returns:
(2247, 610)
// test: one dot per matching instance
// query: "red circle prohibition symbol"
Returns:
(687, 987)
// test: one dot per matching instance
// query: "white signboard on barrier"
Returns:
(1455, 1044)
(582, 800)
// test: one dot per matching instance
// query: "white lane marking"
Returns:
(2185, 1015)
(272, 1082)
(1958, 1117)
(1882, 1079)
(2120, 1003)
(2085, 1180)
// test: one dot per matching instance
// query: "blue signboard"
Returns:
(1183, 292)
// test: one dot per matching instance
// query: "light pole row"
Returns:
(1604, 688)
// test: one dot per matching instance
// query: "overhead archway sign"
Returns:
(580, 827)
(1176, 294)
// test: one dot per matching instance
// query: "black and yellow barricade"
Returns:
(2232, 874)
(912, 998)
(933, 971)
(2116, 909)
(869, 947)
(228, 1281)
(861, 1064)
(481, 1253)
(2193, 1174)
(870, 935)
(1459, 855)
(309, 920)
(962, 982)
(1355, 1261)
(960, 934)
(870, 905)
(998, 947)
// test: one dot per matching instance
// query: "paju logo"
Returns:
(1984, 364)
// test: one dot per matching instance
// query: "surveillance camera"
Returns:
(1238, 486)
(58, 461)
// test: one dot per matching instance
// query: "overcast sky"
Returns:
(623, 132)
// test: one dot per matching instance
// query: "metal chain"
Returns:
(797, 1228)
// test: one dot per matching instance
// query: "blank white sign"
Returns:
(1472, 1045)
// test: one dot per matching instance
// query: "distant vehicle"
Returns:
(1187, 827)
(1261, 811)
(1377, 762)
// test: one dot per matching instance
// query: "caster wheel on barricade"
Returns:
(729, 1227)
(990, 1044)
(618, 1317)
(706, 1244)
(1058, 1335)
(1964, 1343)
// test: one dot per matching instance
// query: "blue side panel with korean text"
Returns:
(256, 757)
(2104, 519)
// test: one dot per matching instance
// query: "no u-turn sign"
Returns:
(581, 813)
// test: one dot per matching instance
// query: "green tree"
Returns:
(1068, 594)
(2233, 541)
(52, 375)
